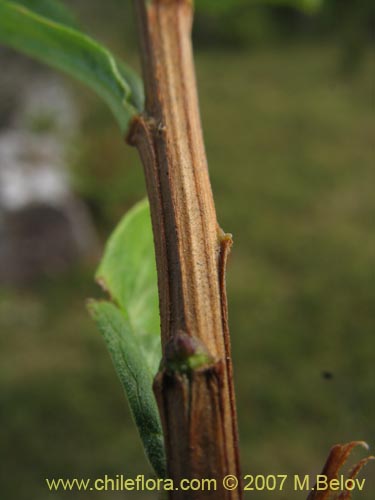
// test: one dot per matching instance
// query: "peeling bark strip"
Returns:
(197, 405)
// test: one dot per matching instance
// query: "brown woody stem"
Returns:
(196, 402)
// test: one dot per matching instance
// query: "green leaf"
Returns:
(135, 377)
(69, 50)
(131, 328)
(128, 272)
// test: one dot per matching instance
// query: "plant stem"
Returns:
(197, 403)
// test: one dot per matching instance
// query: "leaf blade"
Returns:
(128, 272)
(135, 378)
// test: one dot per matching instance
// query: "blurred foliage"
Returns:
(245, 23)
(248, 23)
(215, 7)
(290, 147)
(228, 25)
(353, 24)
(291, 161)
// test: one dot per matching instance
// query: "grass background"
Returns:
(290, 147)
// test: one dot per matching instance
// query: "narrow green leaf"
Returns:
(54, 10)
(131, 326)
(67, 49)
(135, 377)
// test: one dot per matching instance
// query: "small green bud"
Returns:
(184, 353)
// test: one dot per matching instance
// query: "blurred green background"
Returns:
(287, 101)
